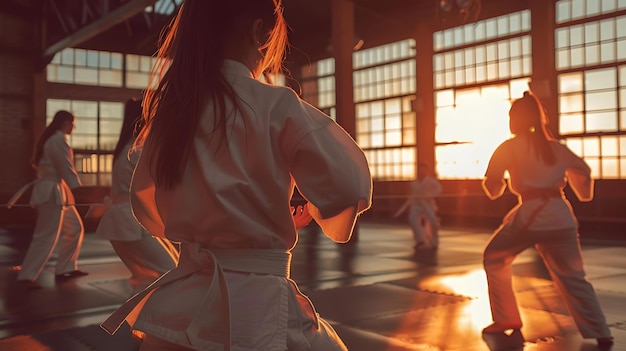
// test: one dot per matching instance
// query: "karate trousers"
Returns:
(146, 259)
(561, 254)
(54, 222)
(424, 224)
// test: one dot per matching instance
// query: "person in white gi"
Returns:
(422, 207)
(539, 168)
(221, 154)
(146, 257)
(58, 221)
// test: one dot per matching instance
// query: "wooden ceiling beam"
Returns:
(105, 22)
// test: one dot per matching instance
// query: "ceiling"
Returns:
(125, 26)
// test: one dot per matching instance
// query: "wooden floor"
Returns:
(377, 292)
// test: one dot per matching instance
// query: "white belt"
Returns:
(20, 192)
(194, 258)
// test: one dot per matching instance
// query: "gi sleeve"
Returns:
(331, 172)
(578, 175)
(493, 184)
(62, 158)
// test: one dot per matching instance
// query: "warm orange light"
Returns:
(469, 131)
(476, 314)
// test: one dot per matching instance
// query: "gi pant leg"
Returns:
(146, 259)
(45, 236)
(415, 221)
(501, 250)
(72, 233)
(431, 226)
(563, 258)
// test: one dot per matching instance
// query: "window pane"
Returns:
(80, 57)
(85, 109)
(562, 38)
(601, 100)
(110, 126)
(591, 147)
(111, 110)
(86, 76)
(601, 121)
(600, 79)
(84, 127)
(610, 146)
(110, 78)
(571, 103)
(52, 106)
(610, 168)
(92, 58)
(571, 124)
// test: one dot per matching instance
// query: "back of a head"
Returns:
(60, 117)
(189, 70)
(194, 43)
(525, 115)
(130, 126)
(527, 118)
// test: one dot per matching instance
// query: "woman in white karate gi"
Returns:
(57, 217)
(146, 257)
(222, 152)
(539, 168)
(422, 207)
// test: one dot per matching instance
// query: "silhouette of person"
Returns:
(422, 208)
(221, 154)
(145, 256)
(539, 168)
(58, 221)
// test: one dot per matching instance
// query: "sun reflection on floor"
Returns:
(476, 313)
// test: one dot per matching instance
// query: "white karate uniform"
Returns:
(544, 219)
(232, 215)
(423, 211)
(146, 257)
(57, 217)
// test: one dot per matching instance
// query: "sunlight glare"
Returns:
(473, 284)
(469, 131)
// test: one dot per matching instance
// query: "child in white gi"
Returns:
(539, 168)
(146, 257)
(221, 155)
(58, 221)
(422, 207)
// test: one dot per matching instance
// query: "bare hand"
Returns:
(301, 216)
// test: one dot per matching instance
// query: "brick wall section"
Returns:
(17, 52)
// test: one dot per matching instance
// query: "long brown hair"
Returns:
(60, 117)
(188, 72)
(131, 125)
(528, 118)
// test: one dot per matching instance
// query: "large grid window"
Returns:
(384, 88)
(483, 62)
(138, 70)
(386, 131)
(479, 69)
(572, 10)
(318, 85)
(100, 68)
(592, 118)
(591, 65)
(98, 124)
(591, 43)
(86, 67)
